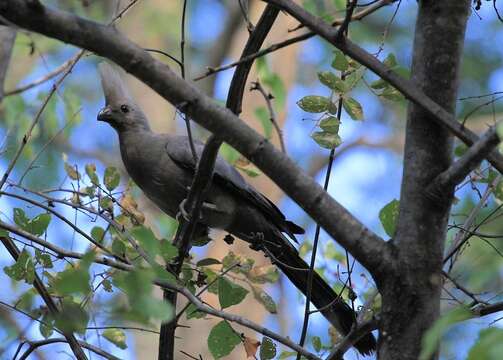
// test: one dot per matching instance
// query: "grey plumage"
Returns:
(162, 165)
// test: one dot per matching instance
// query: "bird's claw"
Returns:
(182, 212)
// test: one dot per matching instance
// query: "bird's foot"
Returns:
(182, 212)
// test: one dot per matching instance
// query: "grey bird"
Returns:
(163, 166)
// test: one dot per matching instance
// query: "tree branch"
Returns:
(409, 88)
(36, 344)
(369, 249)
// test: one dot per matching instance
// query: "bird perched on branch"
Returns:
(163, 166)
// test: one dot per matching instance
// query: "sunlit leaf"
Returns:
(332, 81)
(326, 139)
(388, 216)
(330, 124)
(265, 299)
(98, 234)
(314, 103)
(111, 178)
(116, 337)
(71, 171)
(340, 62)
(23, 269)
(353, 108)
(91, 173)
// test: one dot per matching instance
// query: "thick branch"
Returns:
(365, 246)
(409, 88)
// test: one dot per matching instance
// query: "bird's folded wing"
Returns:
(226, 176)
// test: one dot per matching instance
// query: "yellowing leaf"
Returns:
(326, 139)
(314, 103)
(116, 337)
(353, 108)
(251, 346)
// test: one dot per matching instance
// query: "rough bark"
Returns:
(411, 296)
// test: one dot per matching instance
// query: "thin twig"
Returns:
(272, 116)
(358, 16)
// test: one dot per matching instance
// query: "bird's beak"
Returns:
(105, 114)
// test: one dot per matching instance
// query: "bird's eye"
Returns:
(124, 109)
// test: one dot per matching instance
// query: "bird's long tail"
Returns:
(335, 309)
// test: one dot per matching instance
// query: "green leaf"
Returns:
(353, 108)
(116, 337)
(379, 84)
(314, 103)
(118, 247)
(146, 239)
(332, 81)
(229, 293)
(75, 280)
(265, 299)
(388, 216)
(222, 340)
(91, 173)
(72, 317)
(23, 269)
(267, 349)
(20, 219)
(330, 124)
(193, 313)
(168, 251)
(499, 130)
(340, 62)
(286, 355)
(390, 61)
(316, 341)
(392, 94)
(208, 262)
(36, 226)
(98, 234)
(326, 139)
(43, 259)
(489, 345)
(432, 337)
(137, 285)
(265, 119)
(460, 149)
(107, 285)
(46, 326)
(111, 178)
(354, 77)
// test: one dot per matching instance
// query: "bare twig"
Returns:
(272, 116)
(36, 344)
(444, 183)
(356, 17)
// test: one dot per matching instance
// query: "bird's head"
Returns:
(120, 110)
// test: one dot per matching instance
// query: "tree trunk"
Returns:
(411, 295)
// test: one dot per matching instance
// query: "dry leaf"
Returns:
(251, 346)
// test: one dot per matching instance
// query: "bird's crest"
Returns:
(114, 88)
